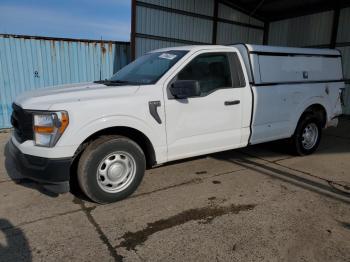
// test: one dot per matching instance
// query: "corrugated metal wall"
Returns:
(164, 23)
(171, 25)
(229, 33)
(229, 13)
(28, 63)
(308, 30)
(316, 31)
(204, 7)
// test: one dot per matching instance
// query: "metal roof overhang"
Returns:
(266, 11)
(274, 10)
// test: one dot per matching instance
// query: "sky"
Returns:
(88, 19)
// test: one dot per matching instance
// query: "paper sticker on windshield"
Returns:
(167, 56)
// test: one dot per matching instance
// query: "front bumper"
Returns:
(53, 174)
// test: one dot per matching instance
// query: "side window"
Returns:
(237, 71)
(211, 70)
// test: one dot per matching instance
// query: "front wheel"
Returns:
(307, 135)
(111, 168)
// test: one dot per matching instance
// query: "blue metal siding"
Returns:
(28, 63)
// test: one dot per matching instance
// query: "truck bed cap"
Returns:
(291, 50)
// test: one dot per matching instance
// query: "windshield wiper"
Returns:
(112, 82)
(119, 81)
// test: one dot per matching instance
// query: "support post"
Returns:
(335, 23)
(266, 33)
(133, 30)
(215, 22)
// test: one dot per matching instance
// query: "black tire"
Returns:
(298, 147)
(95, 154)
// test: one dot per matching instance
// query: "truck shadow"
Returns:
(16, 177)
(334, 141)
(16, 246)
(311, 183)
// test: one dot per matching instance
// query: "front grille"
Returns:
(22, 122)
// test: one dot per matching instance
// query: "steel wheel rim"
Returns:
(116, 172)
(309, 136)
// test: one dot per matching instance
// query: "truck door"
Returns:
(213, 121)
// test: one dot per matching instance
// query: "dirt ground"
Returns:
(254, 204)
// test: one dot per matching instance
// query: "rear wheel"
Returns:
(307, 136)
(111, 168)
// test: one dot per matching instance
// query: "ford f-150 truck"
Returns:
(171, 104)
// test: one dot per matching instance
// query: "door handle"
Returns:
(231, 103)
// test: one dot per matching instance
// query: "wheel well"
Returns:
(318, 111)
(140, 138)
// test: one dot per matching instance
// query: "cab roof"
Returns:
(192, 48)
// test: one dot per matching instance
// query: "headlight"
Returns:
(48, 127)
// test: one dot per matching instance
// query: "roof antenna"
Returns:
(252, 13)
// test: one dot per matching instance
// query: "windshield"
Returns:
(148, 68)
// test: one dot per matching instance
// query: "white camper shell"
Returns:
(287, 80)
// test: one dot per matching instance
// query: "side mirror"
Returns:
(185, 88)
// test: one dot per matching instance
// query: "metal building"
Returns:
(28, 63)
(307, 23)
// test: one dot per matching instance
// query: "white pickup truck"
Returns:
(171, 104)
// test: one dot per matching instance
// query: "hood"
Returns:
(43, 99)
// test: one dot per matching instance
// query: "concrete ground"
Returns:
(253, 204)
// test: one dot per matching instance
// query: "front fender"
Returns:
(80, 133)
(112, 121)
